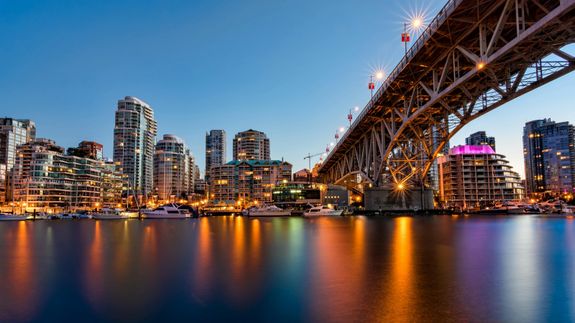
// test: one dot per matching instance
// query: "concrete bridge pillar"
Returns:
(387, 199)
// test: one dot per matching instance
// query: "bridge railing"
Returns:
(439, 19)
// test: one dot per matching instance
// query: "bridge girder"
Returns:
(474, 57)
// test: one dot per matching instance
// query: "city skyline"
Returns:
(196, 84)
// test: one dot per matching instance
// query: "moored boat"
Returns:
(322, 211)
(267, 211)
(12, 217)
(168, 211)
(109, 214)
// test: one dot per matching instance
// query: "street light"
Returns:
(415, 24)
(378, 75)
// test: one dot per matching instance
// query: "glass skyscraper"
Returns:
(549, 154)
(215, 150)
(13, 133)
(134, 140)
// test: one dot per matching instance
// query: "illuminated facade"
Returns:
(549, 155)
(248, 181)
(134, 140)
(251, 145)
(13, 132)
(474, 176)
(215, 150)
(173, 169)
(46, 178)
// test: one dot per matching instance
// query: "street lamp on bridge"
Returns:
(414, 25)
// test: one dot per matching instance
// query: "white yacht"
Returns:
(109, 214)
(168, 211)
(12, 217)
(322, 211)
(268, 210)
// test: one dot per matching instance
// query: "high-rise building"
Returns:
(549, 155)
(87, 149)
(251, 145)
(247, 181)
(475, 176)
(134, 139)
(173, 167)
(47, 179)
(13, 132)
(480, 138)
(215, 150)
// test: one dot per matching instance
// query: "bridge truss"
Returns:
(475, 56)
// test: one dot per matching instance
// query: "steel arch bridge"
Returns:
(475, 56)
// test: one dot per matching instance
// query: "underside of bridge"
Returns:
(475, 56)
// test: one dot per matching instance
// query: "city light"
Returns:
(480, 65)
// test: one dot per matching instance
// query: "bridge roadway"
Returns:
(475, 56)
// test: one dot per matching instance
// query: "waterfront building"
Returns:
(476, 176)
(480, 138)
(251, 145)
(549, 155)
(87, 149)
(134, 139)
(247, 181)
(47, 179)
(13, 132)
(296, 193)
(113, 185)
(215, 150)
(173, 169)
(336, 195)
(302, 175)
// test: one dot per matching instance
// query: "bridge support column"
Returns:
(387, 199)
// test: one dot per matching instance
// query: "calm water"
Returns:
(508, 269)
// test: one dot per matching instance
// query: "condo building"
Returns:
(13, 132)
(251, 145)
(476, 176)
(549, 156)
(173, 169)
(88, 149)
(247, 181)
(480, 138)
(47, 179)
(215, 151)
(134, 140)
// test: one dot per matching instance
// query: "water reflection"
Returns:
(18, 278)
(292, 269)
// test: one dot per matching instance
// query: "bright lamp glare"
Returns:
(342, 129)
(379, 75)
(417, 22)
(331, 144)
(356, 109)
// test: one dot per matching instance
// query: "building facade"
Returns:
(549, 155)
(251, 145)
(173, 169)
(475, 176)
(215, 150)
(13, 133)
(247, 181)
(480, 138)
(88, 149)
(47, 179)
(134, 140)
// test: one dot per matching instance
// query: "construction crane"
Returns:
(309, 157)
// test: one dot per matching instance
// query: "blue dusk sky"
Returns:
(290, 68)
